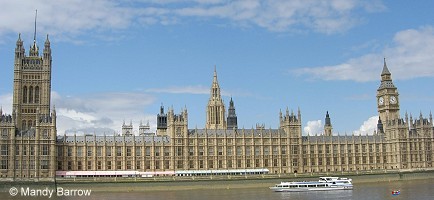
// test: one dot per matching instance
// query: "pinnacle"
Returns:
(385, 69)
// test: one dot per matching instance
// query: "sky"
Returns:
(119, 61)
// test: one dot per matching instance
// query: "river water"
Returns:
(412, 189)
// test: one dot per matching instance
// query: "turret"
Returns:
(145, 129)
(430, 118)
(54, 115)
(380, 129)
(47, 50)
(328, 125)
(299, 114)
(232, 116)
(185, 115)
(19, 50)
(127, 130)
(161, 119)
(291, 123)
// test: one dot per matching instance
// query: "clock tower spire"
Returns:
(387, 96)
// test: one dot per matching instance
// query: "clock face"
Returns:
(393, 100)
(381, 101)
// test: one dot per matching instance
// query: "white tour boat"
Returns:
(324, 184)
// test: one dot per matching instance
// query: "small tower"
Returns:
(127, 130)
(380, 129)
(328, 125)
(145, 129)
(291, 124)
(232, 116)
(161, 119)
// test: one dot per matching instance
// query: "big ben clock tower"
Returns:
(387, 96)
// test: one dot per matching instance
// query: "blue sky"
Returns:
(120, 60)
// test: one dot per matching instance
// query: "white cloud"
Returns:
(97, 113)
(6, 103)
(66, 19)
(101, 113)
(322, 16)
(314, 127)
(368, 126)
(411, 49)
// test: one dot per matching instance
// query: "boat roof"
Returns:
(305, 183)
(332, 177)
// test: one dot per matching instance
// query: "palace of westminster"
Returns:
(30, 147)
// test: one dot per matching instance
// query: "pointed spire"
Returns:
(385, 69)
(215, 74)
(216, 118)
(215, 88)
(34, 48)
(327, 119)
(34, 35)
(47, 41)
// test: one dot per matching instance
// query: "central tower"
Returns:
(32, 84)
(215, 111)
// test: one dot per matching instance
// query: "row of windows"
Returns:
(24, 150)
(212, 150)
(31, 61)
(24, 164)
(30, 94)
(28, 77)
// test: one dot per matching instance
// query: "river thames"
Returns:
(410, 189)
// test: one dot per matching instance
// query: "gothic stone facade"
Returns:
(28, 136)
(31, 149)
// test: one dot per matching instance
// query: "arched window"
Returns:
(31, 94)
(36, 94)
(29, 124)
(25, 94)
